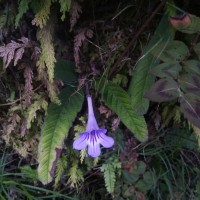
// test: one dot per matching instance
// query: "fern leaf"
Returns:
(60, 168)
(75, 11)
(109, 170)
(109, 176)
(197, 132)
(55, 128)
(83, 154)
(119, 101)
(33, 108)
(22, 8)
(64, 7)
(75, 175)
(47, 57)
(42, 14)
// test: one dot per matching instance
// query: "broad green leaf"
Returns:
(129, 178)
(168, 69)
(182, 138)
(174, 51)
(142, 79)
(140, 83)
(192, 66)
(190, 83)
(163, 90)
(197, 50)
(65, 71)
(56, 126)
(143, 186)
(190, 106)
(119, 101)
(186, 23)
(139, 168)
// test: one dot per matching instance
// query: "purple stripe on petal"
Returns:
(105, 140)
(81, 142)
(94, 149)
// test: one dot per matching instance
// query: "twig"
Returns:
(23, 97)
(117, 63)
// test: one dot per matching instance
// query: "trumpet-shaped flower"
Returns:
(93, 135)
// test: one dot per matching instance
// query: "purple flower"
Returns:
(93, 135)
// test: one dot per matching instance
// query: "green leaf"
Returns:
(65, 71)
(175, 51)
(186, 23)
(163, 90)
(142, 79)
(109, 173)
(197, 50)
(55, 129)
(167, 70)
(190, 106)
(129, 178)
(190, 83)
(140, 83)
(139, 168)
(119, 101)
(192, 66)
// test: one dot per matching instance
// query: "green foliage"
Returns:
(187, 23)
(109, 169)
(34, 34)
(47, 57)
(141, 79)
(65, 71)
(197, 49)
(42, 13)
(163, 90)
(119, 101)
(175, 51)
(60, 168)
(38, 104)
(64, 7)
(75, 174)
(192, 66)
(22, 185)
(181, 80)
(22, 9)
(169, 69)
(56, 126)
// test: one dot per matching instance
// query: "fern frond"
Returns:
(22, 8)
(75, 175)
(197, 132)
(95, 161)
(109, 169)
(60, 168)
(33, 108)
(83, 154)
(77, 130)
(64, 7)
(43, 13)
(177, 116)
(47, 57)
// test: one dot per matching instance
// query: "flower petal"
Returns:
(81, 142)
(104, 140)
(94, 149)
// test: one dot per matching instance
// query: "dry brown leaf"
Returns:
(80, 37)
(74, 13)
(14, 51)
(115, 124)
